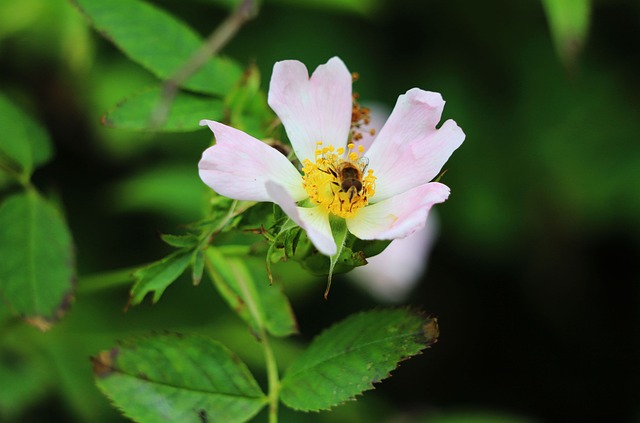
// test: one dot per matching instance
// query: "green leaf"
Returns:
(197, 266)
(569, 25)
(159, 42)
(24, 144)
(348, 358)
(184, 115)
(351, 252)
(290, 241)
(340, 232)
(37, 270)
(179, 241)
(157, 276)
(243, 289)
(369, 248)
(175, 378)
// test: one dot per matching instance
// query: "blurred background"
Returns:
(534, 275)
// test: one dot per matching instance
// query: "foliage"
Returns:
(158, 41)
(98, 150)
(37, 270)
(176, 378)
(188, 377)
(349, 357)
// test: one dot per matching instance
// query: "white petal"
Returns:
(409, 151)
(313, 220)
(238, 166)
(391, 275)
(312, 109)
(399, 216)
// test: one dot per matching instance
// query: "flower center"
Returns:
(337, 181)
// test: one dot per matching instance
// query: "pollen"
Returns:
(339, 179)
(360, 118)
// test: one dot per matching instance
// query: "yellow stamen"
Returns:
(338, 183)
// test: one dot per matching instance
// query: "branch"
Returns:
(246, 10)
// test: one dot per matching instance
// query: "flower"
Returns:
(382, 193)
(391, 275)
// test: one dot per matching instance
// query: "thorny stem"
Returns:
(245, 11)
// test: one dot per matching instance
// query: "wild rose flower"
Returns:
(390, 276)
(381, 193)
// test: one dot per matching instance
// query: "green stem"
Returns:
(238, 270)
(122, 277)
(116, 278)
(273, 378)
(235, 250)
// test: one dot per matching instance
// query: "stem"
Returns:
(125, 276)
(236, 266)
(245, 11)
(273, 378)
(106, 280)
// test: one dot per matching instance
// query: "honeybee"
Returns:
(350, 179)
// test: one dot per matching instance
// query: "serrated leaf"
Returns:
(37, 265)
(348, 358)
(24, 144)
(186, 111)
(175, 378)
(242, 290)
(157, 276)
(159, 42)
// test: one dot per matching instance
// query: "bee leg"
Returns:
(352, 193)
(329, 171)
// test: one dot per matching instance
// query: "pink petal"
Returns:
(313, 220)
(391, 275)
(238, 166)
(409, 151)
(312, 109)
(399, 216)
